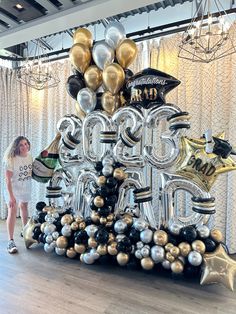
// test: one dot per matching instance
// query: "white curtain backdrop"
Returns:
(207, 92)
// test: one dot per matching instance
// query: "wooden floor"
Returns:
(33, 281)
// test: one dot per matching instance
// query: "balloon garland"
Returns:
(93, 216)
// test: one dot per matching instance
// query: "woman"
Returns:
(18, 166)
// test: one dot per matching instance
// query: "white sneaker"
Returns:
(11, 247)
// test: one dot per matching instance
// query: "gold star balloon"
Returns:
(28, 232)
(218, 267)
(196, 164)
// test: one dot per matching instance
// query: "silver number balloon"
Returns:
(171, 183)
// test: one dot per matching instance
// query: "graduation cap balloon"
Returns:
(149, 87)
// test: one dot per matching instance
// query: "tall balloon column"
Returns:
(99, 203)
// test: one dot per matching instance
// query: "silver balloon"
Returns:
(195, 258)
(140, 224)
(49, 228)
(182, 259)
(175, 227)
(91, 229)
(66, 231)
(146, 236)
(145, 251)
(138, 254)
(88, 258)
(120, 237)
(114, 34)
(87, 99)
(166, 264)
(48, 248)
(94, 254)
(120, 226)
(60, 251)
(139, 245)
(157, 253)
(55, 235)
(153, 120)
(107, 170)
(49, 239)
(170, 183)
(102, 54)
(203, 231)
(108, 160)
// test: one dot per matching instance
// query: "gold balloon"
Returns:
(170, 257)
(126, 52)
(216, 235)
(177, 267)
(195, 164)
(169, 246)
(103, 220)
(112, 250)
(102, 249)
(93, 77)
(111, 237)
(128, 219)
(110, 217)
(66, 219)
(71, 253)
(185, 248)
(160, 237)
(80, 57)
(113, 77)
(147, 263)
(83, 36)
(43, 225)
(48, 209)
(74, 226)
(95, 217)
(28, 232)
(92, 242)
(122, 258)
(109, 224)
(199, 246)
(79, 112)
(62, 242)
(101, 180)
(98, 201)
(82, 225)
(218, 267)
(78, 219)
(79, 248)
(110, 103)
(119, 174)
(175, 251)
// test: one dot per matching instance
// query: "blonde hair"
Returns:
(14, 148)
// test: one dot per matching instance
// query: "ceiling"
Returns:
(47, 19)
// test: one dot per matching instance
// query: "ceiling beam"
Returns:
(8, 20)
(51, 8)
(78, 15)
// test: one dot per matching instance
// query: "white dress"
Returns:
(21, 179)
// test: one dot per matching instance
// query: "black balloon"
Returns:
(111, 182)
(124, 245)
(149, 87)
(81, 237)
(99, 101)
(191, 271)
(134, 235)
(101, 236)
(188, 234)
(41, 238)
(40, 206)
(41, 217)
(74, 84)
(111, 200)
(36, 233)
(98, 166)
(103, 190)
(103, 211)
(210, 245)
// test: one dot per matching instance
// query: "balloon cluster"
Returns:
(102, 66)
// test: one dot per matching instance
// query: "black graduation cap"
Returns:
(222, 148)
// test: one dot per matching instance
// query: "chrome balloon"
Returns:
(170, 183)
(114, 34)
(153, 120)
(128, 136)
(103, 54)
(87, 99)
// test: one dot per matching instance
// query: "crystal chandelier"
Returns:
(37, 71)
(209, 35)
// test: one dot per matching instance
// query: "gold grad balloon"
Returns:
(218, 267)
(110, 103)
(80, 57)
(93, 77)
(28, 232)
(126, 52)
(113, 77)
(197, 165)
(83, 36)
